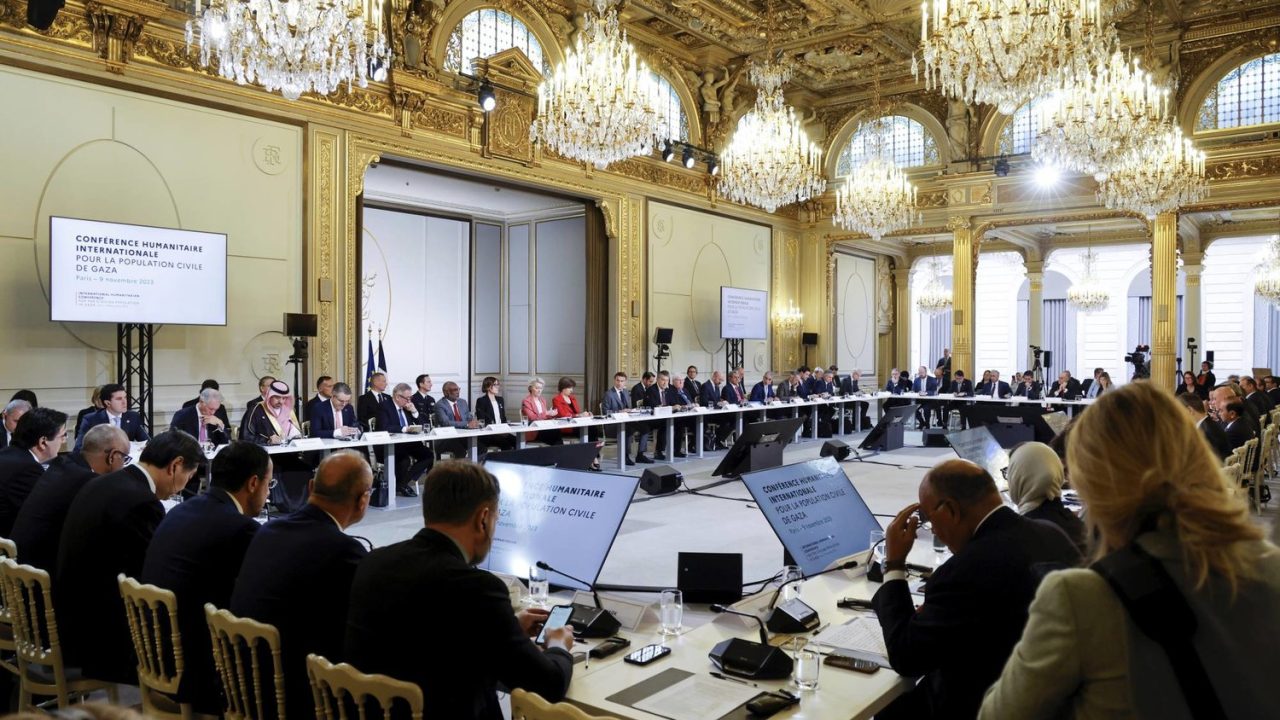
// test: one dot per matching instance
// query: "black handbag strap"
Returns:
(1158, 608)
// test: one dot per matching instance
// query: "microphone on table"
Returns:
(744, 658)
(842, 566)
(591, 622)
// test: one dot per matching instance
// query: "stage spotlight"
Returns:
(377, 70)
(713, 165)
(486, 97)
(1002, 166)
(1047, 176)
(668, 152)
(688, 158)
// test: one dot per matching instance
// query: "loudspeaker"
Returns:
(935, 437)
(299, 325)
(660, 480)
(1208, 356)
(744, 658)
(709, 577)
(835, 449)
(1048, 358)
(662, 336)
(809, 339)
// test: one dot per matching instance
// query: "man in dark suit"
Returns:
(1272, 387)
(924, 384)
(1067, 387)
(209, 384)
(422, 398)
(264, 382)
(617, 400)
(998, 388)
(762, 392)
(692, 386)
(944, 364)
(412, 459)
(36, 441)
(297, 572)
(961, 386)
(426, 592)
(975, 604)
(370, 405)
(324, 393)
(9, 419)
(1262, 402)
(851, 385)
(1213, 432)
(733, 393)
(1235, 424)
(661, 395)
(115, 411)
(1091, 387)
(335, 418)
(712, 397)
(202, 421)
(1028, 387)
(108, 529)
(37, 531)
(196, 552)
(453, 411)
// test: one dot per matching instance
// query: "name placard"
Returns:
(442, 432)
(664, 411)
(309, 443)
(546, 423)
(379, 435)
(621, 416)
(628, 612)
(581, 420)
(498, 426)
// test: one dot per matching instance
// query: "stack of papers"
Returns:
(860, 636)
(698, 697)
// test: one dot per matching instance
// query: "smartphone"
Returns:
(609, 647)
(851, 663)
(557, 619)
(647, 654)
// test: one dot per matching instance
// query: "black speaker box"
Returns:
(1208, 356)
(662, 336)
(809, 339)
(835, 449)
(660, 480)
(299, 325)
(1048, 359)
(593, 622)
(935, 437)
(744, 658)
(710, 577)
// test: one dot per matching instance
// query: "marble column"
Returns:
(962, 258)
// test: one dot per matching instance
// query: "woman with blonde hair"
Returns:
(1155, 497)
(535, 408)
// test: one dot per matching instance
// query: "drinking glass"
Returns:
(791, 579)
(671, 606)
(877, 546)
(538, 587)
(807, 664)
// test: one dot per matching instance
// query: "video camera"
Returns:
(1138, 358)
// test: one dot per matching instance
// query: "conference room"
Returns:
(636, 360)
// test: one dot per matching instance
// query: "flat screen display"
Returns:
(815, 511)
(565, 518)
(115, 273)
(744, 313)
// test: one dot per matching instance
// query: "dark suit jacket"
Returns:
(368, 407)
(1057, 513)
(311, 405)
(130, 422)
(390, 419)
(196, 553)
(296, 576)
(762, 392)
(107, 531)
(1213, 433)
(1274, 395)
(733, 394)
(38, 528)
(656, 397)
(710, 396)
(962, 387)
(638, 392)
(1003, 390)
(1262, 402)
(222, 411)
(425, 403)
(925, 385)
(1030, 391)
(1071, 393)
(1238, 433)
(187, 420)
(322, 419)
(974, 611)
(693, 388)
(421, 593)
(484, 411)
(19, 473)
(80, 416)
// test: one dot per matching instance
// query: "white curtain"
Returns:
(939, 338)
(1056, 327)
(1266, 334)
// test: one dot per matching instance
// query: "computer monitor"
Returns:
(570, 456)
(771, 434)
(815, 511)
(565, 518)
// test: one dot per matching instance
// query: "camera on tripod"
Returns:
(1138, 358)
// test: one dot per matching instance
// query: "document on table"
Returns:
(860, 635)
(697, 697)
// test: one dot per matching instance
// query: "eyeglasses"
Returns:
(125, 458)
(271, 484)
(925, 521)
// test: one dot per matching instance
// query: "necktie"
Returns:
(337, 420)
(204, 431)
(621, 403)
(115, 421)
(456, 415)
(662, 398)
(995, 387)
(403, 422)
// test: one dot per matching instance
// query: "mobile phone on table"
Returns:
(558, 617)
(852, 663)
(609, 647)
(647, 654)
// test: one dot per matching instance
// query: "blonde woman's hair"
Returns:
(534, 382)
(1139, 463)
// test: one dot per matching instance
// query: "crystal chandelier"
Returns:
(1160, 175)
(1006, 52)
(1100, 114)
(876, 198)
(1088, 295)
(934, 299)
(1267, 283)
(293, 46)
(789, 321)
(600, 105)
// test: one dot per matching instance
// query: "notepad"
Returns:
(697, 697)
(861, 635)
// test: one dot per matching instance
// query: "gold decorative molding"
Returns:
(506, 127)
(409, 93)
(117, 25)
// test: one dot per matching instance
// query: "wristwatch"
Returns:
(891, 565)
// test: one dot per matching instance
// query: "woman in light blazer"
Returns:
(533, 408)
(1147, 479)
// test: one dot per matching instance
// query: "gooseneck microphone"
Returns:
(842, 566)
(764, 634)
(590, 586)
(589, 621)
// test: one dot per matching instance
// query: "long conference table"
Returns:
(618, 424)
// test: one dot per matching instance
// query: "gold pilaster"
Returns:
(117, 25)
(1035, 301)
(1164, 287)
(1191, 268)
(902, 328)
(323, 247)
(963, 266)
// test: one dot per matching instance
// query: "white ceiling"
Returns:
(425, 188)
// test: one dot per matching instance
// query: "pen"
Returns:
(722, 676)
(821, 627)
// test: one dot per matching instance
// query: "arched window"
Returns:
(1248, 95)
(675, 123)
(909, 144)
(487, 32)
(1017, 137)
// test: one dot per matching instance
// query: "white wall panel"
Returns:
(519, 299)
(486, 309)
(995, 314)
(1102, 337)
(691, 254)
(561, 296)
(1227, 305)
(855, 309)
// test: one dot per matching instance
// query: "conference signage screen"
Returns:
(744, 313)
(814, 510)
(565, 518)
(116, 273)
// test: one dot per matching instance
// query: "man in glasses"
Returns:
(38, 528)
(975, 604)
(197, 551)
